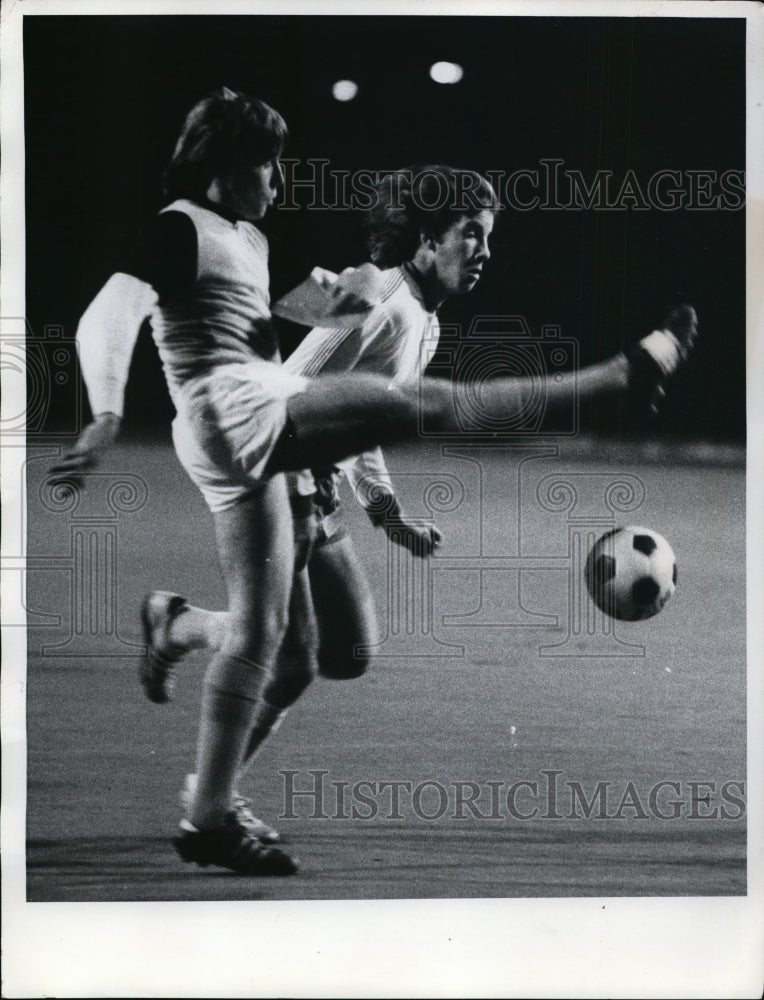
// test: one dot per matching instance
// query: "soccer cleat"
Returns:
(231, 846)
(682, 324)
(241, 807)
(657, 357)
(158, 667)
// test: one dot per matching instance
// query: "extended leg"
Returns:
(336, 416)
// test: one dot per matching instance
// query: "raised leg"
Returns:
(336, 416)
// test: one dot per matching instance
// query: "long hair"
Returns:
(422, 200)
(226, 128)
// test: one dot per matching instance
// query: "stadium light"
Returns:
(446, 72)
(344, 90)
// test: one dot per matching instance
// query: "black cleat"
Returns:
(682, 322)
(243, 809)
(657, 357)
(232, 846)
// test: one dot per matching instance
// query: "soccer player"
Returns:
(415, 246)
(243, 420)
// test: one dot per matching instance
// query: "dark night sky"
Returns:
(105, 98)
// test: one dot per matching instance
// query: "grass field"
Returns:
(468, 701)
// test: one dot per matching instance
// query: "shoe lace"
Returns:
(244, 812)
(243, 806)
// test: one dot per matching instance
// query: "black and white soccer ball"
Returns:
(631, 573)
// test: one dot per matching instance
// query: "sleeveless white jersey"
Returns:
(225, 317)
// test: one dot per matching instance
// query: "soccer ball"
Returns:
(631, 573)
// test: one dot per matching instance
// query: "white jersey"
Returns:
(212, 327)
(397, 340)
(223, 319)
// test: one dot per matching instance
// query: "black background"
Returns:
(105, 98)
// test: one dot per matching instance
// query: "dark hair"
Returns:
(416, 200)
(224, 129)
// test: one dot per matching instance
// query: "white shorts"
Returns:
(227, 425)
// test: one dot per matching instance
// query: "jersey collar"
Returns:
(413, 280)
(224, 213)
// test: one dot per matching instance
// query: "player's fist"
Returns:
(419, 537)
(94, 439)
(421, 540)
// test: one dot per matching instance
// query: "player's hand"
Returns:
(94, 439)
(420, 539)
(357, 290)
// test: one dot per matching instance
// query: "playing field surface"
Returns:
(506, 741)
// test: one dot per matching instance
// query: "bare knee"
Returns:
(338, 664)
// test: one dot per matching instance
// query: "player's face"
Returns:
(461, 252)
(249, 191)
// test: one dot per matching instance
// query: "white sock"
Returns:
(230, 694)
(664, 349)
(267, 720)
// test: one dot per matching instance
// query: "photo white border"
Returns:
(609, 947)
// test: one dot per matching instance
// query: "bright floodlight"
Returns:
(446, 72)
(344, 90)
